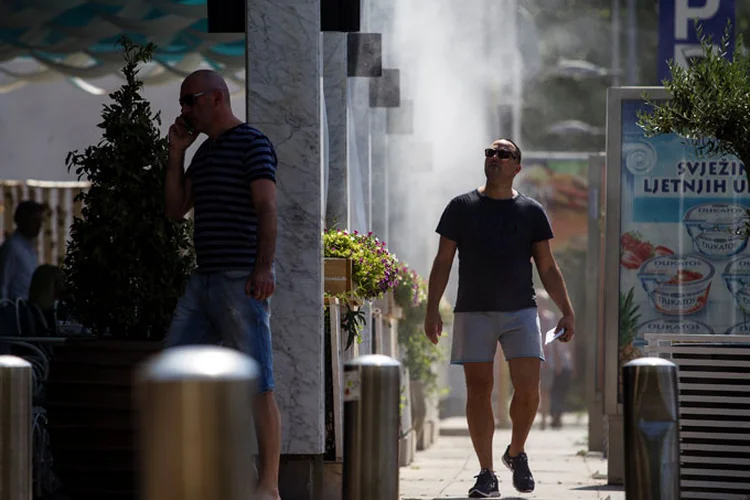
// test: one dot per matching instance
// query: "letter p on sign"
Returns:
(684, 15)
(678, 38)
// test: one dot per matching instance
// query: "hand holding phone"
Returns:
(181, 136)
(551, 336)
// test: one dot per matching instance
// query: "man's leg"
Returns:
(502, 388)
(524, 375)
(479, 381)
(268, 428)
(245, 325)
(474, 344)
(190, 321)
(522, 343)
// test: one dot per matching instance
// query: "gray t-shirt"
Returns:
(494, 239)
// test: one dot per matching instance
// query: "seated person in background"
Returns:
(18, 257)
(34, 317)
(46, 289)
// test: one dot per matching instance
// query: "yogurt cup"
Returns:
(677, 285)
(737, 277)
(717, 229)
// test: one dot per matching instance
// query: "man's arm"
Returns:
(261, 284)
(441, 270)
(177, 187)
(554, 283)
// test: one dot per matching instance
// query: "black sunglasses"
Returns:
(189, 99)
(502, 154)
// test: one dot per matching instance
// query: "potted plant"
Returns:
(417, 353)
(710, 101)
(373, 273)
(125, 267)
(367, 267)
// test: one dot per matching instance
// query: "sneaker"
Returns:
(523, 481)
(486, 485)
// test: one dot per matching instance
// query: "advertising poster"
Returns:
(684, 261)
(561, 186)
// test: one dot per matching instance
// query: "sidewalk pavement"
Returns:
(562, 467)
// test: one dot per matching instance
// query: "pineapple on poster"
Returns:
(684, 261)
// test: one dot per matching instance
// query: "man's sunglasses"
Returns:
(189, 99)
(502, 154)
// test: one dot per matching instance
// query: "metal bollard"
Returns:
(651, 420)
(15, 429)
(196, 425)
(372, 389)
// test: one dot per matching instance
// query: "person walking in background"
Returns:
(546, 322)
(497, 231)
(562, 356)
(231, 184)
(18, 255)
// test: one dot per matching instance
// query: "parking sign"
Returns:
(677, 36)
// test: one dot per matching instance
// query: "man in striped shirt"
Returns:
(231, 184)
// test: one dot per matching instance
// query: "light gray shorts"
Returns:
(475, 336)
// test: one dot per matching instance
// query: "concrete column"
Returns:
(360, 106)
(283, 101)
(366, 345)
(335, 89)
(378, 162)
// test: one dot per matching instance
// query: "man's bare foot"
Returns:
(266, 494)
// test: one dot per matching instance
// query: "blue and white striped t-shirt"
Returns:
(221, 171)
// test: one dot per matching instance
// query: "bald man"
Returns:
(497, 232)
(231, 185)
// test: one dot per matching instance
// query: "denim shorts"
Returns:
(215, 310)
(476, 334)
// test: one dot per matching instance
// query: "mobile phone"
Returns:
(188, 125)
(552, 336)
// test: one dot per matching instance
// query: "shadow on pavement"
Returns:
(467, 498)
(603, 487)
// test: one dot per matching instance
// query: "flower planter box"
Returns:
(338, 275)
(407, 444)
(388, 307)
(424, 415)
(397, 313)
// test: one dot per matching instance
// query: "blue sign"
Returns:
(678, 40)
(684, 257)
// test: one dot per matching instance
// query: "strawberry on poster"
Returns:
(683, 236)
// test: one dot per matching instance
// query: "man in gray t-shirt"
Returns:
(497, 231)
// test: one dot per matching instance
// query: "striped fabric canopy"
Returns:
(75, 39)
